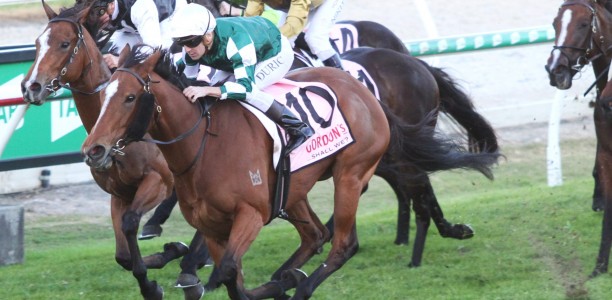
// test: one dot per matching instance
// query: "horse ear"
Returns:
(48, 10)
(152, 60)
(125, 53)
(84, 13)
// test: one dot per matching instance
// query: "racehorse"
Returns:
(66, 56)
(583, 33)
(603, 127)
(411, 89)
(225, 191)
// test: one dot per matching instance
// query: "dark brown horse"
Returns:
(217, 191)
(603, 128)
(411, 89)
(583, 33)
(66, 56)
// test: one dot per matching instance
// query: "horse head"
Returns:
(62, 54)
(575, 25)
(129, 97)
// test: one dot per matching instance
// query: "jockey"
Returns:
(251, 50)
(318, 15)
(135, 22)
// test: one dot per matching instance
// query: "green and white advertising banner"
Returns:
(53, 128)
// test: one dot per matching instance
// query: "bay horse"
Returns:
(213, 173)
(411, 89)
(67, 56)
(583, 32)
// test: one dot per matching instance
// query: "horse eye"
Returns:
(130, 99)
(65, 45)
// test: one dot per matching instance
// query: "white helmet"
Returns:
(192, 19)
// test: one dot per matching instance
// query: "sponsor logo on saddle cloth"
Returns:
(317, 105)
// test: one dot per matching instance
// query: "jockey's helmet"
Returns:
(192, 20)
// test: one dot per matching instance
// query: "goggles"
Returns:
(191, 41)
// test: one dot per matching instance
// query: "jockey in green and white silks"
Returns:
(251, 50)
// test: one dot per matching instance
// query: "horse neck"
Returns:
(177, 117)
(603, 37)
(92, 75)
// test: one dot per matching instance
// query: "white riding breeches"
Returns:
(320, 22)
(267, 72)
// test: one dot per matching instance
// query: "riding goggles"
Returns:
(191, 41)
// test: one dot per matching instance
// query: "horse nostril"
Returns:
(34, 87)
(96, 152)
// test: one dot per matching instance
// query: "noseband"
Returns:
(56, 83)
(588, 52)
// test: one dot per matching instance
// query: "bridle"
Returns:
(588, 52)
(56, 83)
(122, 143)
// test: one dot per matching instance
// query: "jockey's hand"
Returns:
(111, 60)
(194, 92)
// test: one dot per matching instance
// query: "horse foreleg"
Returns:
(604, 158)
(195, 259)
(423, 216)
(600, 65)
(598, 197)
(148, 289)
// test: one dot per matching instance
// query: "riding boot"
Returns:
(334, 61)
(297, 130)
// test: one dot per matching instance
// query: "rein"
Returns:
(121, 143)
(56, 83)
(586, 58)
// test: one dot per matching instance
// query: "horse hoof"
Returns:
(150, 231)
(401, 241)
(180, 248)
(195, 292)
(459, 232)
(157, 295)
(295, 276)
(597, 272)
(467, 231)
(598, 204)
(187, 280)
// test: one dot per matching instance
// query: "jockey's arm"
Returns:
(145, 17)
(254, 8)
(297, 16)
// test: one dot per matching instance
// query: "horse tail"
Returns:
(454, 102)
(417, 146)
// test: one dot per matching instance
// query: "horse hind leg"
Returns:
(446, 229)
(245, 228)
(313, 235)
(344, 243)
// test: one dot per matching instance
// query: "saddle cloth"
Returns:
(354, 69)
(316, 104)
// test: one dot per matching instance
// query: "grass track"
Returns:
(532, 242)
